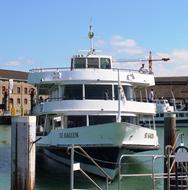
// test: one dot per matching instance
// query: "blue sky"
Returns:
(46, 33)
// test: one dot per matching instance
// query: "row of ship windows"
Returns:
(79, 121)
(177, 115)
(78, 92)
(103, 63)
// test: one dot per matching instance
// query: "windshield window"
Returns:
(93, 62)
(79, 63)
(105, 63)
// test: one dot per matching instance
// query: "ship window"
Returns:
(130, 119)
(95, 119)
(73, 92)
(181, 115)
(98, 92)
(128, 90)
(76, 121)
(157, 115)
(105, 63)
(93, 63)
(79, 63)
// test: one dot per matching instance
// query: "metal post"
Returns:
(72, 170)
(153, 175)
(106, 183)
(119, 98)
(169, 139)
(23, 135)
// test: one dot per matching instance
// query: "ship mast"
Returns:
(91, 36)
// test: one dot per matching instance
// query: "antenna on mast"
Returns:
(150, 62)
(91, 36)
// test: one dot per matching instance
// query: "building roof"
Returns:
(16, 75)
(176, 80)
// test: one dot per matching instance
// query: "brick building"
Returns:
(20, 98)
(172, 87)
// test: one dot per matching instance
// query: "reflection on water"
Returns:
(4, 142)
(50, 176)
(5, 137)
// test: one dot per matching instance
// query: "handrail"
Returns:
(179, 135)
(169, 154)
(169, 175)
(57, 69)
(93, 161)
(152, 175)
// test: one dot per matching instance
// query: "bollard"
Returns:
(169, 139)
(23, 153)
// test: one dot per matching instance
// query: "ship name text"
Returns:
(69, 135)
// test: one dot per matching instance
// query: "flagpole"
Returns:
(119, 99)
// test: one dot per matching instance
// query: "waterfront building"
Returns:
(173, 88)
(17, 98)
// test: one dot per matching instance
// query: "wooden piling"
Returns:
(23, 134)
(169, 139)
(169, 129)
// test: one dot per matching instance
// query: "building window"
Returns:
(25, 90)
(18, 90)
(25, 101)
(18, 101)
(3, 89)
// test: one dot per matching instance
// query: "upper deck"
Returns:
(90, 68)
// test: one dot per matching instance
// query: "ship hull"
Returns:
(104, 143)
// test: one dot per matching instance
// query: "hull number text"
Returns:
(148, 135)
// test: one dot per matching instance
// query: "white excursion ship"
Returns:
(163, 107)
(92, 104)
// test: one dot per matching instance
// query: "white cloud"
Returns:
(177, 66)
(125, 45)
(20, 61)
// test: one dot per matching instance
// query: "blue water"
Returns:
(49, 176)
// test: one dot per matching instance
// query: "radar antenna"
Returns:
(91, 36)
